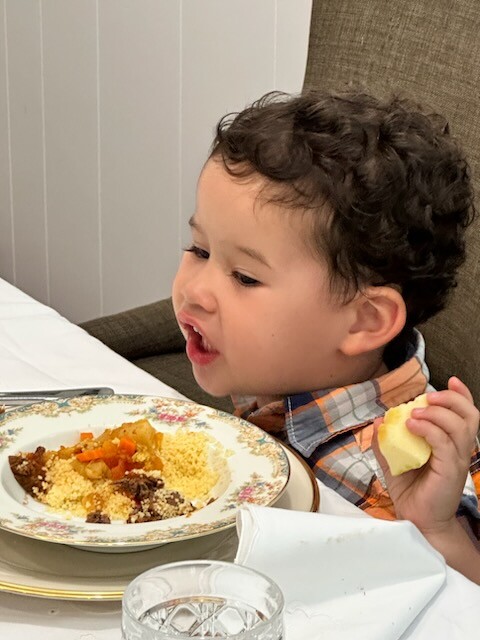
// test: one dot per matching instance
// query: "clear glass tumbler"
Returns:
(202, 599)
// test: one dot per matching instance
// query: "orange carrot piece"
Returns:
(128, 445)
(119, 471)
(90, 454)
(111, 461)
(110, 448)
(86, 435)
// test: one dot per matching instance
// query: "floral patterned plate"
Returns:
(258, 469)
(35, 568)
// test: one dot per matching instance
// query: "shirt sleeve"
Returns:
(469, 505)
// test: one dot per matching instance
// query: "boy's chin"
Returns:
(216, 393)
(214, 390)
(219, 388)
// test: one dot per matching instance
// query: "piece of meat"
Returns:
(174, 499)
(97, 517)
(159, 506)
(29, 470)
(139, 487)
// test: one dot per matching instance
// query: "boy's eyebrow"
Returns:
(251, 253)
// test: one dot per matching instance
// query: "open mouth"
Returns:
(200, 340)
(199, 350)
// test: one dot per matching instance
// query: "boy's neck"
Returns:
(379, 368)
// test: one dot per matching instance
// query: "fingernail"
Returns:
(417, 413)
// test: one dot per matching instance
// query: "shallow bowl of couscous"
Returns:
(125, 472)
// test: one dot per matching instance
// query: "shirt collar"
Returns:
(307, 420)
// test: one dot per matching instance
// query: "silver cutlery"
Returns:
(19, 398)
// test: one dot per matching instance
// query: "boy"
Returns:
(326, 228)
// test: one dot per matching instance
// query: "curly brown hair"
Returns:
(396, 185)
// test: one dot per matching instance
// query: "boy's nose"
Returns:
(198, 291)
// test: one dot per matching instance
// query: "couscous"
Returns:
(131, 474)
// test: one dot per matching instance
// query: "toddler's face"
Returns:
(252, 301)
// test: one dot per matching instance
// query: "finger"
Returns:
(458, 403)
(443, 446)
(456, 427)
(455, 384)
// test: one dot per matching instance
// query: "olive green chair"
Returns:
(428, 50)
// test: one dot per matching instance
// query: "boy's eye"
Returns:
(197, 252)
(244, 280)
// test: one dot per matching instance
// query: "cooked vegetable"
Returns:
(116, 450)
(90, 454)
(128, 445)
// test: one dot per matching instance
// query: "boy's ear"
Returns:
(378, 315)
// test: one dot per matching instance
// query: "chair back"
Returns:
(428, 50)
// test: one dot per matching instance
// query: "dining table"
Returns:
(41, 350)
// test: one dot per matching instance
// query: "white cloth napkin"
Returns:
(342, 577)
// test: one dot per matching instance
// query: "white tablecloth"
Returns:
(38, 350)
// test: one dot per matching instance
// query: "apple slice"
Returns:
(402, 449)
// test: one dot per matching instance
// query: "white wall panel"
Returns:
(26, 139)
(7, 270)
(228, 61)
(70, 80)
(292, 29)
(139, 123)
(107, 112)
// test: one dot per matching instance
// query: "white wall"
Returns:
(107, 109)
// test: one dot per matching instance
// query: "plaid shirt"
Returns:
(333, 429)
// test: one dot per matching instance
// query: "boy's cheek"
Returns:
(178, 278)
(175, 297)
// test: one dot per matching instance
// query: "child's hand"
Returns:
(429, 496)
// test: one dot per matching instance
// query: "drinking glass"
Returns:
(202, 599)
